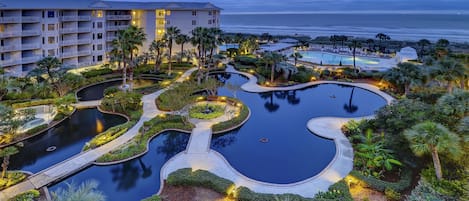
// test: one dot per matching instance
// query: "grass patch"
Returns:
(30, 195)
(12, 178)
(139, 144)
(243, 114)
(198, 111)
(108, 135)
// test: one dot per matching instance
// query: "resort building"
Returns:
(80, 32)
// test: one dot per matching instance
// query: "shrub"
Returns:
(380, 185)
(33, 103)
(36, 129)
(110, 90)
(450, 188)
(338, 191)
(424, 191)
(97, 72)
(246, 60)
(198, 111)
(392, 195)
(12, 178)
(30, 195)
(122, 102)
(152, 198)
(243, 114)
(352, 128)
(108, 135)
(187, 177)
(245, 194)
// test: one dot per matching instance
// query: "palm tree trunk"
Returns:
(170, 65)
(5, 166)
(450, 87)
(354, 64)
(182, 51)
(272, 74)
(124, 78)
(436, 163)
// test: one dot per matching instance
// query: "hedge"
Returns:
(30, 195)
(202, 178)
(233, 122)
(380, 185)
(96, 72)
(33, 103)
(108, 135)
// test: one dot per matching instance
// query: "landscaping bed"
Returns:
(12, 178)
(236, 121)
(206, 111)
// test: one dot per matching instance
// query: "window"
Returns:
(168, 12)
(100, 47)
(100, 25)
(209, 21)
(161, 21)
(167, 22)
(194, 13)
(51, 53)
(194, 22)
(51, 40)
(51, 27)
(209, 12)
(100, 36)
(2, 43)
(98, 13)
(100, 57)
(50, 14)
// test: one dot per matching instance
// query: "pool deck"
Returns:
(198, 154)
(82, 160)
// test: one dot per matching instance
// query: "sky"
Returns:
(343, 6)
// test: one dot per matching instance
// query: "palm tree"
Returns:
(334, 39)
(370, 42)
(276, 58)
(422, 43)
(136, 38)
(120, 48)
(5, 153)
(382, 37)
(87, 191)
(431, 137)
(343, 39)
(406, 75)
(50, 65)
(170, 36)
(182, 39)
(449, 70)
(354, 45)
(213, 39)
(350, 108)
(156, 48)
(296, 56)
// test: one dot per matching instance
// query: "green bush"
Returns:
(30, 195)
(202, 178)
(152, 198)
(97, 72)
(108, 135)
(33, 103)
(450, 188)
(36, 129)
(122, 102)
(198, 111)
(303, 75)
(243, 114)
(338, 191)
(246, 60)
(110, 90)
(380, 185)
(392, 195)
(12, 178)
(352, 128)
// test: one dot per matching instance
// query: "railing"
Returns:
(111, 38)
(32, 59)
(10, 48)
(83, 41)
(30, 33)
(10, 34)
(30, 19)
(84, 53)
(10, 19)
(69, 54)
(68, 42)
(83, 64)
(84, 18)
(10, 62)
(81, 30)
(69, 18)
(118, 27)
(30, 46)
(118, 17)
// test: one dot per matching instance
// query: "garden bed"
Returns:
(206, 111)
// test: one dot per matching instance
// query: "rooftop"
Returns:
(103, 5)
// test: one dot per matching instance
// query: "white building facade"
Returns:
(80, 32)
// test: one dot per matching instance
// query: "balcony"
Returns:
(111, 38)
(84, 53)
(116, 28)
(31, 59)
(10, 34)
(30, 33)
(83, 41)
(118, 17)
(30, 46)
(10, 62)
(84, 18)
(10, 48)
(30, 19)
(84, 64)
(83, 30)
(75, 42)
(10, 19)
(69, 54)
(69, 18)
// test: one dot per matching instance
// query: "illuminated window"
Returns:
(2, 28)
(168, 12)
(161, 21)
(98, 13)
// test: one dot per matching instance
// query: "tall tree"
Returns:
(156, 49)
(51, 66)
(136, 38)
(422, 44)
(449, 70)
(382, 38)
(441, 48)
(5, 153)
(182, 39)
(405, 75)
(430, 137)
(170, 36)
(354, 45)
(370, 43)
(296, 56)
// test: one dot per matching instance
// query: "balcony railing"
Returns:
(31, 59)
(69, 18)
(10, 48)
(83, 30)
(118, 27)
(10, 62)
(30, 33)
(10, 19)
(110, 38)
(85, 63)
(30, 46)
(10, 34)
(84, 53)
(84, 18)
(30, 19)
(118, 17)
(69, 54)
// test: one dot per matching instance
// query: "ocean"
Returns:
(454, 27)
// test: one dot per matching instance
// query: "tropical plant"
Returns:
(248, 45)
(441, 48)
(5, 153)
(422, 44)
(451, 108)
(371, 155)
(449, 70)
(406, 75)
(182, 39)
(296, 56)
(10, 119)
(171, 35)
(156, 49)
(433, 138)
(382, 37)
(370, 43)
(86, 191)
(354, 45)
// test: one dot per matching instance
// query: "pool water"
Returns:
(292, 153)
(335, 59)
(96, 92)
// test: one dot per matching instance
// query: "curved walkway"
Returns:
(84, 159)
(198, 154)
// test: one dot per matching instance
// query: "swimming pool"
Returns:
(327, 58)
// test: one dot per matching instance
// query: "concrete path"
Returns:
(87, 104)
(198, 154)
(82, 160)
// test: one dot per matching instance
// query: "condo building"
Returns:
(80, 32)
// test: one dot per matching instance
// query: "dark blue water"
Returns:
(96, 92)
(69, 137)
(135, 179)
(292, 153)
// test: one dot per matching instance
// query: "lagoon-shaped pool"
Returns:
(326, 58)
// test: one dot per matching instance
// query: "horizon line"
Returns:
(453, 12)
